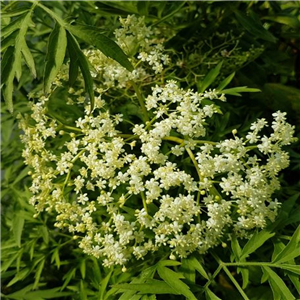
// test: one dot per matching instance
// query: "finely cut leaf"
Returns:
(279, 284)
(56, 51)
(291, 250)
(75, 51)
(172, 279)
(210, 77)
(257, 240)
(169, 263)
(91, 36)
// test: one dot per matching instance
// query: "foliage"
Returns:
(229, 46)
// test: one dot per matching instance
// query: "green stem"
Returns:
(239, 288)
(141, 101)
(144, 202)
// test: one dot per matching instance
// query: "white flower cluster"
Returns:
(158, 184)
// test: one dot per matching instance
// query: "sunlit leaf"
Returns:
(92, 36)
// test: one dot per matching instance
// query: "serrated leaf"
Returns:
(18, 224)
(55, 257)
(254, 27)
(173, 280)
(56, 51)
(108, 47)
(256, 241)
(291, 250)
(278, 284)
(74, 48)
(188, 270)
(209, 78)
(210, 295)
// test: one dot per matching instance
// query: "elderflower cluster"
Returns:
(126, 189)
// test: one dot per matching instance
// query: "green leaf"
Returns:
(13, 26)
(278, 284)
(173, 280)
(18, 224)
(47, 294)
(169, 263)
(38, 273)
(225, 82)
(14, 13)
(241, 89)
(56, 51)
(149, 287)
(104, 283)
(83, 268)
(291, 250)
(28, 58)
(75, 51)
(55, 257)
(7, 263)
(254, 27)
(210, 295)
(288, 20)
(91, 36)
(209, 78)
(19, 276)
(257, 240)
(9, 41)
(143, 7)
(188, 270)
(146, 274)
(292, 268)
(237, 251)
(67, 278)
(198, 267)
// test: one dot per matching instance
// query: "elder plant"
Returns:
(128, 184)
